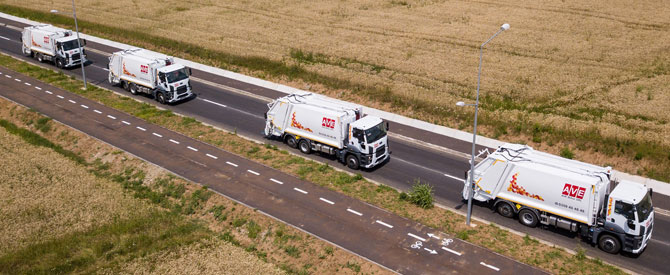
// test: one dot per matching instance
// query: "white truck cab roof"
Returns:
(629, 191)
(366, 122)
(170, 68)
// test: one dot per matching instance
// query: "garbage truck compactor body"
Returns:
(152, 73)
(49, 43)
(546, 189)
(313, 122)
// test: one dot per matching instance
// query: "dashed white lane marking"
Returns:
(84, 106)
(215, 103)
(489, 266)
(27, 84)
(5, 38)
(192, 149)
(354, 211)
(125, 122)
(661, 211)
(300, 190)
(112, 117)
(8, 76)
(211, 156)
(156, 134)
(384, 224)
(140, 128)
(452, 251)
(253, 172)
(38, 88)
(59, 96)
(276, 181)
(416, 237)
(18, 80)
(97, 111)
(453, 177)
(174, 141)
(48, 92)
(72, 101)
(327, 201)
(231, 164)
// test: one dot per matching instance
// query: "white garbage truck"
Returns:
(541, 188)
(313, 122)
(152, 73)
(49, 43)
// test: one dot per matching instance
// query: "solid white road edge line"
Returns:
(253, 172)
(452, 251)
(189, 147)
(384, 224)
(355, 212)
(300, 190)
(276, 181)
(211, 156)
(5, 38)
(327, 201)
(456, 178)
(416, 237)
(231, 164)
(489, 266)
(215, 103)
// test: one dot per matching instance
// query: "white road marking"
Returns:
(28, 84)
(193, 149)
(452, 251)
(140, 128)
(155, 134)
(215, 103)
(112, 117)
(433, 236)
(125, 122)
(72, 101)
(300, 190)
(489, 266)
(276, 181)
(211, 156)
(5, 38)
(456, 178)
(19, 80)
(48, 92)
(97, 111)
(661, 211)
(416, 237)
(432, 251)
(327, 201)
(355, 212)
(384, 224)
(58, 96)
(253, 172)
(8, 76)
(38, 88)
(84, 106)
(174, 141)
(100, 67)
(231, 164)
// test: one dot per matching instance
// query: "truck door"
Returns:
(623, 218)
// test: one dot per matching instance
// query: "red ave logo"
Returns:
(144, 69)
(328, 123)
(46, 40)
(574, 191)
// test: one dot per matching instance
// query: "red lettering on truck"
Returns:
(574, 191)
(46, 40)
(144, 69)
(328, 123)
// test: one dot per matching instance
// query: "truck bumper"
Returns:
(375, 161)
(640, 243)
(180, 97)
(74, 62)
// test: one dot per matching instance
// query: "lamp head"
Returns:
(504, 27)
(460, 103)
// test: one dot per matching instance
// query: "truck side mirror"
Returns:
(387, 125)
(83, 42)
(631, 224)
(189, 71)
(651, 192)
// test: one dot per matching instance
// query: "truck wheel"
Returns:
(528, 218)
(505, 210)
(39, 57)
(290, 141)
(59, 63)
(133, 88)
(125, 85)
(160, 98)
(305, 147)
(609, 243)
(352, 162)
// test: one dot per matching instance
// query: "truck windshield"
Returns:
(69, 45)
(644, 208)
(375, 133)
(177, 75)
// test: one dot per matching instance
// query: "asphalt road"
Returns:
(410, 159)
(392, 241)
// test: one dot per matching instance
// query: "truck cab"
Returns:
(628, 220)
(368, 138)
(174, 82)
(67, 50)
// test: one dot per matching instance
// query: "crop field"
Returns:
(590, 77)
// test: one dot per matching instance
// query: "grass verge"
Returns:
(355, 186)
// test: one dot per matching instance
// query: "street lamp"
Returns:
(81, 52)
(504, 27)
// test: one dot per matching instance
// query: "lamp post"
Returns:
(504, 27)
(81, 53)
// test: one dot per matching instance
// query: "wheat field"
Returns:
(572, 65)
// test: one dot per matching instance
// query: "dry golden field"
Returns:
(582, 67)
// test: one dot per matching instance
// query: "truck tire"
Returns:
(160, 98)
(528, 217)
(352, 162)
(125, 85)
(39, 57)
(132, 87)
(59, 63)
(291, 142)
(26, 51)
(609, 243)
(305, 147)
(505, 209)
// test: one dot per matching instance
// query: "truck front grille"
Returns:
(182, 90)
(76, 56)
(380, 151)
